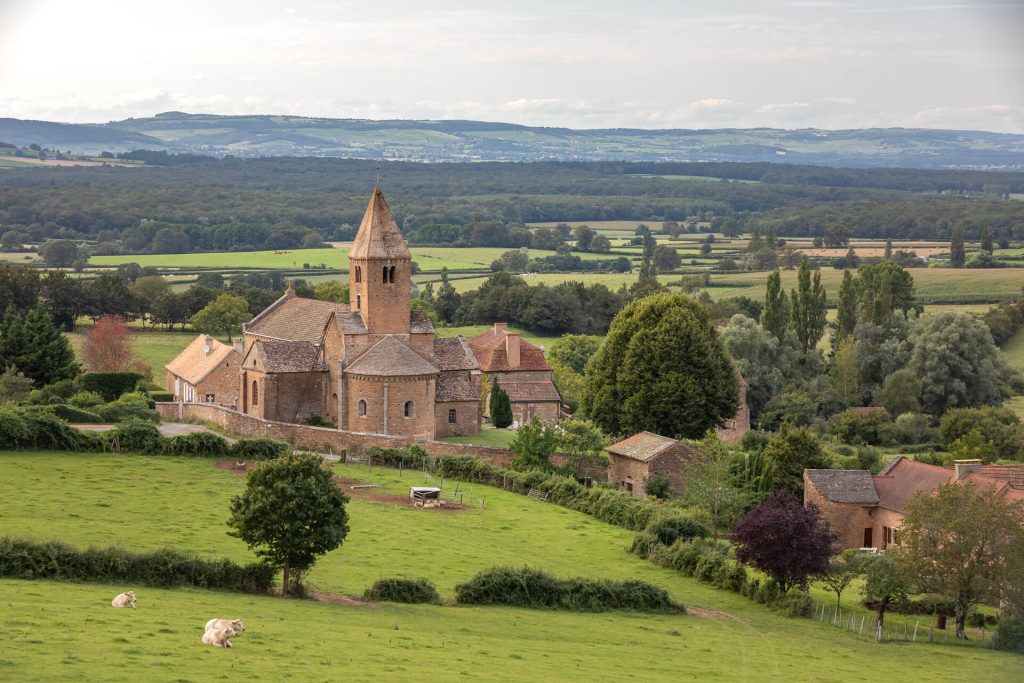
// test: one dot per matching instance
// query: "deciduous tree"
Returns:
(775, 315)
(791, 451)
(884, 585)
(957, 253)
(808, 306)
(108, 346)
(223, 315)
(533, 445)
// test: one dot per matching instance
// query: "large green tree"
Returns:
(775, 315)
(290, 513)
(808, 310)
(959, 542)
(957, 253)
(791, 451)
(884, 585)
(32, 343)
(662, 368)
(574, 350)
(846, 313)
(223, 315)
(533, 445)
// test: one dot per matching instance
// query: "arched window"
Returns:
(255, 393)
(361, 408)
(359, 274)
(391, 274)
(409, 410)
(385, 274)
(359, 302)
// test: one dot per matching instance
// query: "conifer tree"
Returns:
(775, 314)
(501, 407)
(957, 254)
(34, 345)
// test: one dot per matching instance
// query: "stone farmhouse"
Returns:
(632, 461)
(866, 510)
(205, 372)
(521, 370)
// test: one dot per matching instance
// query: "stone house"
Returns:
(521, 370)
(867, 511)
(205, 372)
(632, 461)
(370, 365)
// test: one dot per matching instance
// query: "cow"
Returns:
(218, 637)
(126, 599)
(237, 625)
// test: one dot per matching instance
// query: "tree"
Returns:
(600, 244)
(574, 351)
(580, 437)
(15, 387)
(108, 346)
(785, 539)
(290, 513)
(957, 253)
(808, 309)
(63, 298)
(844, 372)
(842, 570)
(533, 445)
(13, 240)
(662, 368)
(513, 261)
(791, 451)
(986, 241)
(147, 291)
(211, 280)
(501, 407)
(171, 241)
(888, 250)
(885, 287)
(222, 315)
(332, 290)
(447, 301)
(957, 362)
(958, 542)
(846, 313)
(713, 488)
(884, 586)
(584, 236)
(33, 344)
(775, 315)
(900, 392)
(756, 353)
(59, 253)
(666, 258)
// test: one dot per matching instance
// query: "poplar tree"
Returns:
(986, 241)
(775, 313)
(957, 255)
(888, 249)
(846, 317)
(808, 313)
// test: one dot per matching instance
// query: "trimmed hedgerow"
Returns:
(164, 568)
(161, 396)
(110, 385)
(197, 443)
(670, 527)
(528, 587)
(413, 456)
(135, 436)
(412, 591)
(129, 407)
(259, 448)
(73, 414)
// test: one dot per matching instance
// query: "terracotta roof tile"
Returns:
(455, 385)
(391, 358)
(1011, 474)
(454, 353)
(379, 236)
(489, 348)
(844, 486)
(902, 478)
(294, 318)
(194, 363)
(290, 356)
(530, 392)
(642, 446)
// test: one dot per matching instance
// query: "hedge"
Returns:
(110, 385)
(1010, 636)
(527, 587)
(412, 456)
(165, 568)
(79, 415)
(412, 591)
(162, 396)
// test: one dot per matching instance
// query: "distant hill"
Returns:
(260, 136)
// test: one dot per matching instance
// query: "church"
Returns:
(371, 365)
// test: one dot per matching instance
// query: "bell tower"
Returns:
(380, 271)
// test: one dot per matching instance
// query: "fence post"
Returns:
(862, 619)
(916, 624)
(931, 639)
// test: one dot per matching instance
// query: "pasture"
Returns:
(55, 630)
(154, 348)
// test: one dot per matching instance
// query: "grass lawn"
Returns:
(1013, 349)
(68, 631)
(612, 280)
(488, 436)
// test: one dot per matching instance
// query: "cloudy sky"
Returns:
(585, 64)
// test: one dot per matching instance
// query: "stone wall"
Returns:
(847, 520)
(467, 418)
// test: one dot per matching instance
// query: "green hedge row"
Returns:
(411, 591)
(164, 568)
(110, 385)
(412, 456)
(527, 587)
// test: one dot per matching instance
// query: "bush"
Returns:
(138, 436)
(658, 486)
(413, 591)
(38, 427)
(671, 527)
(197, 443)
(164, 568)
(162, 396)
(110, 385)
(129, 407)
(85, 399)
(259, 448)
(1010, 636)
(526, 587)
(72, 414)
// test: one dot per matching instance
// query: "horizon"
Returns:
(795, 65)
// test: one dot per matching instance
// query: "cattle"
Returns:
(237, 625)
(218, 637)
(126, 599)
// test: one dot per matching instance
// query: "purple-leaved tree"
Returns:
(786, 540)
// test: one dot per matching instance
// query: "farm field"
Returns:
(69, 631)
(612, 280)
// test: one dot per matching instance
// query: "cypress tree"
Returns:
(957, 254)
(846, 317)
(775, 315)
(501, 407)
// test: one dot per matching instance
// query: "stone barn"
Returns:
(205, 372)
(632, 461)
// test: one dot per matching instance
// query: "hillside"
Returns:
(254, 136)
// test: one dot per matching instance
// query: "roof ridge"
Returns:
(268, 309)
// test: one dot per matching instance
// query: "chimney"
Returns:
(500, 328)
(965, 467)
(512, 349)
(207, 344)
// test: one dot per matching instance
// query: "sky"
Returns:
(579, 64)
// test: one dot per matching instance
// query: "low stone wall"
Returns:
(322, 437)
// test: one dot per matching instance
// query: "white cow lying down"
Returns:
(124, 600)
(218, 637)
(237, 625)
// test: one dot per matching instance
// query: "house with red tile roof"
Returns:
(521, 370)
(632, 462)
(206, 371)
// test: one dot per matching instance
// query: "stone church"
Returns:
(371, 365)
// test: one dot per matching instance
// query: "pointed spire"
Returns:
(379, 236)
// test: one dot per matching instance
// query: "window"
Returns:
(385, 274)
(255, 393)
(409, 409)
(391, 275)
(359, 274)
(359, 302)
(453, 417)
(209, 398)
(361, 408)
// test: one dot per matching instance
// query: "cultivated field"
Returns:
(69, 631)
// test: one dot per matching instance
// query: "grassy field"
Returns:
(68, 631)
(613, 280)
(155, 349)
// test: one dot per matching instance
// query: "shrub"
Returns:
(658, 486)
(198, 443)
(1010, 636)
(110, 385)
(259, 448)
(72, 414)
(413, 591)
(164, 568)
(671, 527)
(644, 545)
(129, 407)
(85, 399)
(526, 587)
(139, 436)
(793, 604)
(161, 396)
(39, 427)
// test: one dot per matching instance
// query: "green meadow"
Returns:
(69, 631)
